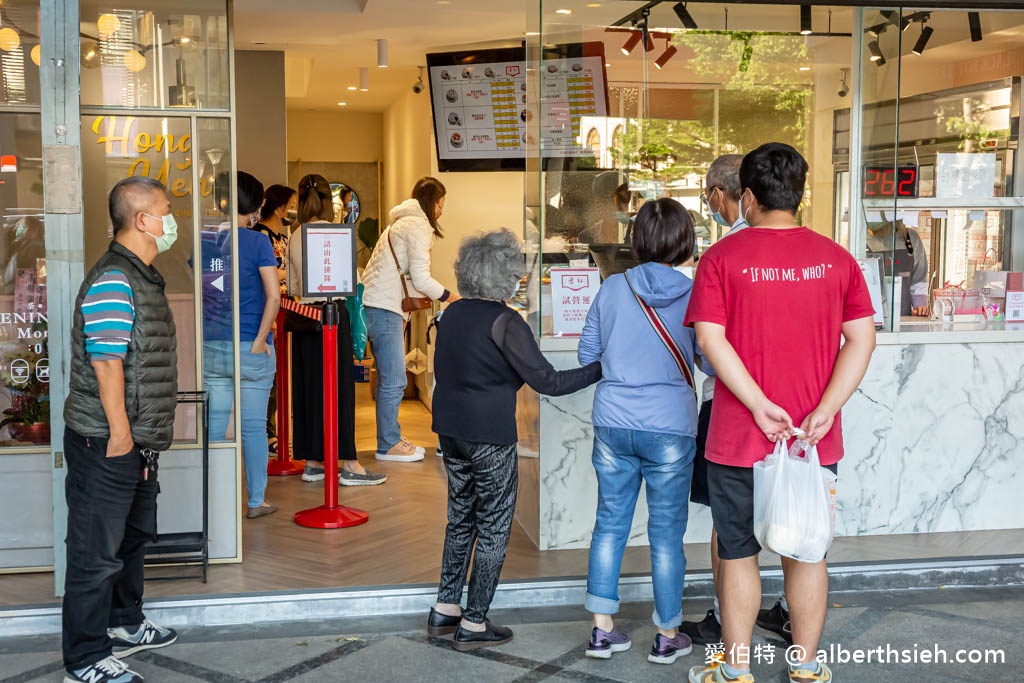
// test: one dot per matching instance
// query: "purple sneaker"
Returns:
(603, 643)
(668, 650)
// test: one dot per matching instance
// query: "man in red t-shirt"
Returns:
(772, 306)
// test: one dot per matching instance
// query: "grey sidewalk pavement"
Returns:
(549, 642)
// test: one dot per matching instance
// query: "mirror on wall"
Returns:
(346, 204)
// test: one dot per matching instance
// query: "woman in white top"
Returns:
(403, 250)
(315, 206)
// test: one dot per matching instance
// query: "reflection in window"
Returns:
(19, 52)
(144, 57)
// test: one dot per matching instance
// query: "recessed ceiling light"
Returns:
(593, 4)
(352, 88)
(563, 11)
(533, 33)
(342, 104)
(258, 42)
(607, 65)
(805, 68)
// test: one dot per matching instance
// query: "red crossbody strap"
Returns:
(665, 336)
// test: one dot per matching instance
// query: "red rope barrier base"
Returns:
(328, 518)
(285, 468)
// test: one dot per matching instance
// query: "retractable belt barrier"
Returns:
(283, 465)
(330, 515)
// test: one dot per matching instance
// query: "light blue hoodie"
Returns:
(641, 387)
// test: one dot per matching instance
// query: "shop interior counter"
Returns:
(934, 438)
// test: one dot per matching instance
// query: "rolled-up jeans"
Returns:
(257, 377)
(623, 458)
(387, 342)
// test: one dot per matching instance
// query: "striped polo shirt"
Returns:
(109, 311)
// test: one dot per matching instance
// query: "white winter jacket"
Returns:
(412, 238)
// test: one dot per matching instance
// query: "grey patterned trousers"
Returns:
(482, 486)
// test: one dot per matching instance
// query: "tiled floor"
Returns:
(548, 646)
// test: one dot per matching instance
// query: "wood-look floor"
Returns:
(401, 544)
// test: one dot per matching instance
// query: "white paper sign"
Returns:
(572, 293)
(328, 255)
(1014, 306)
(872, 274)
(965, 176)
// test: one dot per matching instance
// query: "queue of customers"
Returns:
(770, 382)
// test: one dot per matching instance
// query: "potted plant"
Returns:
(28, 418)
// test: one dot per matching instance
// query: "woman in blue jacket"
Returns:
(645, 425)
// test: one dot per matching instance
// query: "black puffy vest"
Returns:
(150, 369)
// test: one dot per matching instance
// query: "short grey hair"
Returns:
(489, 265)
(725, 173)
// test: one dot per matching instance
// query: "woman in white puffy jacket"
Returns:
(403, 251)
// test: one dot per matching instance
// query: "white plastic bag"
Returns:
(794, 503)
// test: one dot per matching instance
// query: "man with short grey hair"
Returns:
(721, 195)
(119, 415)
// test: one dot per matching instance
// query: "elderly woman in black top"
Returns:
(485, 352)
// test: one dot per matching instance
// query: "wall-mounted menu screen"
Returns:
(481, 108)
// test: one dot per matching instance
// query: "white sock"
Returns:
(718, 612)
(785, 605)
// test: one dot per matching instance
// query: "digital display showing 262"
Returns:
(889, 181)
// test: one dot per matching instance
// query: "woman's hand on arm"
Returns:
(773, 420)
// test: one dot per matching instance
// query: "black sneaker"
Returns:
(491, 635)
(705, 632)
(109, 670)
(776, 620)
(441, 624)
(147, 636)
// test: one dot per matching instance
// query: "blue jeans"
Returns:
(258, 371)
(387, 342)
(623, 458)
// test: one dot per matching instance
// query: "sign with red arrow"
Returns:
(328, 260)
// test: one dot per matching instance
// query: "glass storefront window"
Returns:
(19, 52)
(675, 100)
(140, 55)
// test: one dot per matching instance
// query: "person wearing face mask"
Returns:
(903, 254)
(399, 272)
(118, 416)
(259, 298)
(722, 196)
(277, 216)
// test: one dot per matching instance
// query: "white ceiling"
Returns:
(327, 41)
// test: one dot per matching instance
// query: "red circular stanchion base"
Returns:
(285, 468)
(331, 518)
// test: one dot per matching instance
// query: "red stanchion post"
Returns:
(331, 515)
(283, 465)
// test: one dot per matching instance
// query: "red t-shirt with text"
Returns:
(782, 296)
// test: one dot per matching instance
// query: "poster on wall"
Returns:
(572, 293)
(483, 117)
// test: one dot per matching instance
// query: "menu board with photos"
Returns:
(481, 110)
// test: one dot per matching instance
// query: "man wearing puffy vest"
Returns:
(119, 416)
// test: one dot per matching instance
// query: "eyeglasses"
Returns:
(705, 195)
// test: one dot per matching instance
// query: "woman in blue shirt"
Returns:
(645, 424)
(259, 297)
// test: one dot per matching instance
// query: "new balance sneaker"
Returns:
(715, 673)
(603, 643)
(806, 673)
(109, 670)
(368, 478)
(403, 451)
(313, 472)
(776, 620)
(705, 632)
(668, 650)
(146, 636)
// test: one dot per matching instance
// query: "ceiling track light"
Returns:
(876, 51)
(382, 53)
(922, 41)
(805, 20)
(685, 17)
(974, 21)
(631, 42)
(648, 40)
(669, 53)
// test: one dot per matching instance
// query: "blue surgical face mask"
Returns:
(165, 241)
(622, 216)
(716, 216)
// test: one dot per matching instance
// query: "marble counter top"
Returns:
(934, 442)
